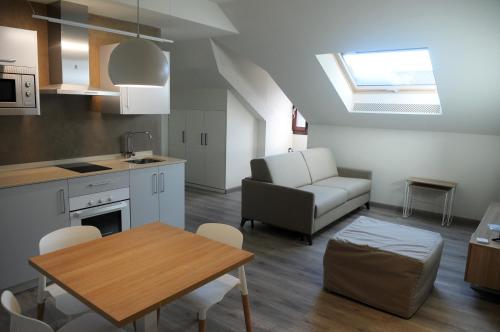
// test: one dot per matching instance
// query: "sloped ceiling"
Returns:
(283, 37)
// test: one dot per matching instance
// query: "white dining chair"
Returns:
(89, 322)
(59, 239)
(213, 292)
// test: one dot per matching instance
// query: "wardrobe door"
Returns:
(195, 148)
(214, 139)
(177, 134)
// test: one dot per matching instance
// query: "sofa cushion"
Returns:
(354, 187)
(289, 170)
(325, 198)
(321, 163)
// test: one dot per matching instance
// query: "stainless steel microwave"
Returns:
(18, 90)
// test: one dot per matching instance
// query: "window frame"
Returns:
(339, 57)
(298, 130)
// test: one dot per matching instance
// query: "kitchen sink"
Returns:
(144, 161)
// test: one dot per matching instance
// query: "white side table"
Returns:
(447, 187)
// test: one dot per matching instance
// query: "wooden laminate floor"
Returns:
(285, 282)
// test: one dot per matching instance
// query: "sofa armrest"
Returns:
(354, 173)
(285, 207)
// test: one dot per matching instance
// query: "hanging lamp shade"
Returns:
(138, 63)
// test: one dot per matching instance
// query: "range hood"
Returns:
(69, 53)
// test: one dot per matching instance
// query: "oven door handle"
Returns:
(99, 210)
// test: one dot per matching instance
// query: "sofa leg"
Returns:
(367, 205)
(309, 239)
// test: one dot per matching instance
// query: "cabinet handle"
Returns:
(206, 139)
(63, 201)
(99, 184)
(201, 139)
(8, 60)
(162, 182)
(183, 136)
(155, 183)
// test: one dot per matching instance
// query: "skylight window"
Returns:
(390, 70)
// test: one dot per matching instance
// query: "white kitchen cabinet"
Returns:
(27, 213)
(144, 203)
(204, 147)
(131, 100)
(172, 194)
(157, 193)
(20, 49)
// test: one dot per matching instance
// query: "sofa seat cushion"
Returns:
(325, 198)
(288, 170)
(354, 187)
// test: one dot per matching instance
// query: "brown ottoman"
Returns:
(390, 267)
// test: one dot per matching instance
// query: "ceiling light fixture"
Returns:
(138, 63)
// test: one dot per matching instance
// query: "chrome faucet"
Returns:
(129, 150)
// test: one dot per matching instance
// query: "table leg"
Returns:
(148, 323)
(445, 210)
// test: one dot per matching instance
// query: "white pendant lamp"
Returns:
(138, 63)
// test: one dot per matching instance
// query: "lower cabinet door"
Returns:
(27, 213)
(144, 189)
(172, 194)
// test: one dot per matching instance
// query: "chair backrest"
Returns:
(19, 322)
(68, 236)
(223, 233)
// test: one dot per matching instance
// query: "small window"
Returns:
(390, 70)
(299, 123)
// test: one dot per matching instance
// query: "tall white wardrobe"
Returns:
(216, 135)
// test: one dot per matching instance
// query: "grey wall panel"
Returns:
(67, 128)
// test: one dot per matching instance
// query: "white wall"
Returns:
(299, 142)
(262, 95)
(393, 155)
(241, 135)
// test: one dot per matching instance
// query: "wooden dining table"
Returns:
(128, 276)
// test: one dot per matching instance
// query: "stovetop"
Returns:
(84, 167)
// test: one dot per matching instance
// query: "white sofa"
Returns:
(302, 191)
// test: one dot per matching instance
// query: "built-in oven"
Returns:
(17, 90)
(109, 211)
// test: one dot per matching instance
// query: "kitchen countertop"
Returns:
(21, 177)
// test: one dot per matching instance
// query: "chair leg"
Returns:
(246, 311)
(158, 317)
(202, 325)
(367, 205)
(252, 223)
(243, 221)
(40, 311)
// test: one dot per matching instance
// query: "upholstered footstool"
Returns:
(387, 266)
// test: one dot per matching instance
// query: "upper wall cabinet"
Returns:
(132, 100)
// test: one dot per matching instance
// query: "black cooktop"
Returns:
(84, 167)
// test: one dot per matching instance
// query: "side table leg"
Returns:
(450, 210)
(445, 210)
(405, 204)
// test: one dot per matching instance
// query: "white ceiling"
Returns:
(283, 36)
